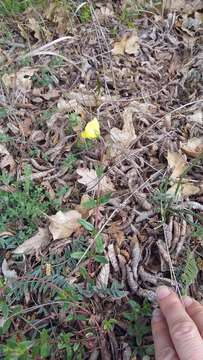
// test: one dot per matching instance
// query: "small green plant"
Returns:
(108, 324)
(3, 113)
(70, 348)
(4, 138)
(133, 10)
(14, 7)
(73, 120)
(69, 162)
(61, 191)
(93, 203)
(139, 317)
(189, 273)
(99, 245)
(43, 79)
(16, 350)
(22, 208)
(83, 144)
(85, 13)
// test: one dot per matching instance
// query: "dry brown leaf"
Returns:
(52, 94)
(184, 6)
(194, 147)
(64, 224)
(90, 179)
(112, 257)
(128, 44)
(177, 163)
(123, 138)
(25, 127)
(21, 80)
(3, 150)
(8, 274)
(197, 117)
(183, 190)
(40, 31)
(35, 27)
(103, 277)
(35, 243)
(116, 233)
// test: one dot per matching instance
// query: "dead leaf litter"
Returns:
(101, 154)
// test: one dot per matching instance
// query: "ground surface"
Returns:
(93, 218)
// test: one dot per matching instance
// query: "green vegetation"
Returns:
(22, 208)
(132, 10)
(13, 7)
(189, 272)
(85, 13)
(139, 317)
(44, 78)
(69, 162)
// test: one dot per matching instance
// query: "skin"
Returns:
(177, 327)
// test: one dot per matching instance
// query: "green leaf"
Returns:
(70, 317)
(78, 254)
(87, 225)
(89, 204)
(84, 273)
(102, 200)
(99, 245)
(3, 113)
(6, 326)
(76, 347)
(44, 344)
(100, 259)
(81, 317)
(99, 170)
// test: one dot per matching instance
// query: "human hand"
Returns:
(177, 328)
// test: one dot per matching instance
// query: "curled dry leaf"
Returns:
(112, 257)
(184, 6)
(40, 31)
(35, 243)
(52, 94)
(124, 137)
(9, 275)
(197, 117)
(177, 163)
(6, 159)
(21, 80)
(116, 233)
(128, 44)
(103, 277)
(64, 224)
(90, 179)
(136, 257)
(183, 190)
(194, 147)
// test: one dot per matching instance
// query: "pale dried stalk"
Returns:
(131, 281)
(136, 256)
(182, 237)
(147, 277)
(148, 294)
(112, 257)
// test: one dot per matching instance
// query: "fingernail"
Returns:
(187, 301)
(162, 292)
(156, 315)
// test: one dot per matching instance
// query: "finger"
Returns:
(164, 348)
(183, 331)
(195, 311)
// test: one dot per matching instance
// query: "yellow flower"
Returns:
(92, 130)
